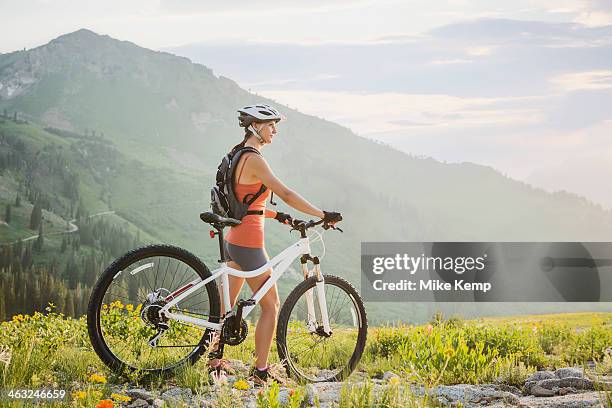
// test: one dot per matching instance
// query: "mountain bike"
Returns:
(157, 308)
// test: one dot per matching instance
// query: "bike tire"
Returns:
(284, 319)
(104, 281)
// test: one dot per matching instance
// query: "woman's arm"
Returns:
(263, 172)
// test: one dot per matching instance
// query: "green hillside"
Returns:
(162, 123)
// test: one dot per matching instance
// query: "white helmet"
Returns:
(257, 113)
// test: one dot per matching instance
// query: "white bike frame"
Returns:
(279, 263)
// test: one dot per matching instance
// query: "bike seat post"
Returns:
(221, 251)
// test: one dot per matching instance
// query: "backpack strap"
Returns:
(242, 168)
(249, 198)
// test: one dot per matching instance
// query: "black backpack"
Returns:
(223, 200)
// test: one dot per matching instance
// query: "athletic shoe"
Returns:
(261, 377)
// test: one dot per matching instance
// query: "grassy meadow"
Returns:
(51, 351)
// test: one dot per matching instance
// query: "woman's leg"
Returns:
(235, 285)
(266, 325)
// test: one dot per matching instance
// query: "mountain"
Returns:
(171, 121)
(582, 175)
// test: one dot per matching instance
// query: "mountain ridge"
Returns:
(151, 104)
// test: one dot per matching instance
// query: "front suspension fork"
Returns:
(310, 306)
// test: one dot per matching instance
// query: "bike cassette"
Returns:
(150, 314)
(231, 334)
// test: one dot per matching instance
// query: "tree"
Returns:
(2, 306)
(72, 272)
(18, 201)
(40, 240)
(68, 305)
(36, 216)
(7, 214)
(26, 259)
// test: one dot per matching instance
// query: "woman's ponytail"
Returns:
(247, 134)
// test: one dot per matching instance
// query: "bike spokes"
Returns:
(133, 326)
(313, 354)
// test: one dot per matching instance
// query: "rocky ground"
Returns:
(565, 387)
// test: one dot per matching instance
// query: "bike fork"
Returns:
(320, 287)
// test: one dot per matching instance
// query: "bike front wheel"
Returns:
(124, 322)
(307, 352)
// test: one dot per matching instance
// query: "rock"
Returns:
(528, 386)
(540, 375)
(206, 404)
(578, 383)
(174, 396)
(539, 391)
(583, 400)
(311, 395)
(139, 403)
(328, 392)
(467, 393)
(504, 387)
(283, 397)
(566, 390)
(158, 403)
(566, 372)
(140, 393)
(388, 375)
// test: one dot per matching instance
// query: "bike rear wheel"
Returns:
(310, 355)
(122, 316)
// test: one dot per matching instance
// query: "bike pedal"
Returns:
(247, 302)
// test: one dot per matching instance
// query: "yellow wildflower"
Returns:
(120, 397)
(129, 308)
(394, 380)
(18, 318)
(34, 380)
(241, 385)
(97, 378)
(79, 395)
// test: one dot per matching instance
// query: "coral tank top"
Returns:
(250, 233)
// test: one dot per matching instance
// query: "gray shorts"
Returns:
(249, 259)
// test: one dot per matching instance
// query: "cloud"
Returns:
(451, 61)
(292, 81)
(479, 51)
(379, 112)
(589, 80)
(591, 13)
(595, 18)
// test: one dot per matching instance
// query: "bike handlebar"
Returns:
(302, 226)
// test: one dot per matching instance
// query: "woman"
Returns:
(244, 244)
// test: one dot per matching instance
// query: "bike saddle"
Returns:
(212, 218)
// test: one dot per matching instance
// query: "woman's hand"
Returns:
(283, 218)
(331, 217)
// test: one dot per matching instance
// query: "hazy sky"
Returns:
(164, 23)
(522, 85)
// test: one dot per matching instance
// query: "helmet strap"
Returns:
(256, 133)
